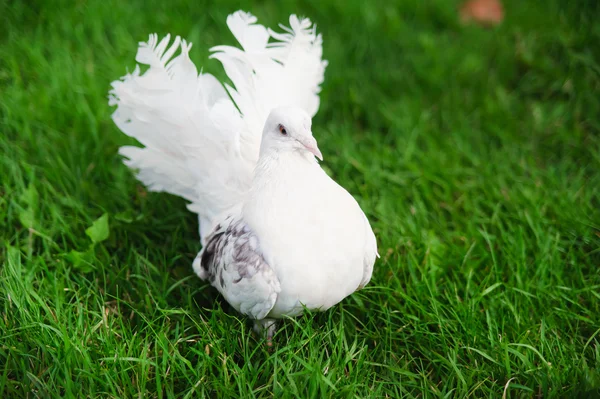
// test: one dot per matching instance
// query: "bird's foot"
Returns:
(265, 328)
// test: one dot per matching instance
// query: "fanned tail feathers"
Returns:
(200, 141)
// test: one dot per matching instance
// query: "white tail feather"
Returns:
(198, 143)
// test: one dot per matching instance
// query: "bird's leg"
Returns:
(266, 329)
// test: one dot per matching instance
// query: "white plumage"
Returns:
(277, 233)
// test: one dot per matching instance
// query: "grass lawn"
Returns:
(475, 153)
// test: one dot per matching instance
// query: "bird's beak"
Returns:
(311, 145)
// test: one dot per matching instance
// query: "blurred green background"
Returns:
(474, 151)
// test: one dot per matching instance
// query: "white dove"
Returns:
(278, 233)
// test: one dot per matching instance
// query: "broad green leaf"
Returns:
(99, 230)
(29, 204)
(13, 254)
(30, 196)
(82, 261)
(27, 216)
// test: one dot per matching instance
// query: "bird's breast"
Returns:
(311, 233)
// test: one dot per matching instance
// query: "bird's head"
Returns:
(289, 128)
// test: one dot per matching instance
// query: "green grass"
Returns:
(474, 152)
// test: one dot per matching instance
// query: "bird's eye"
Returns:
(282, 130)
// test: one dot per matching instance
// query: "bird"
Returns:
(277, 233)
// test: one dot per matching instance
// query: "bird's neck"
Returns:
(280, 169)
(274, 162)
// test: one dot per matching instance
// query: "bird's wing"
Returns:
(189, 127)
(233, 263)
(200, 142)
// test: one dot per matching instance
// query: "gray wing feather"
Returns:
(233, 263)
